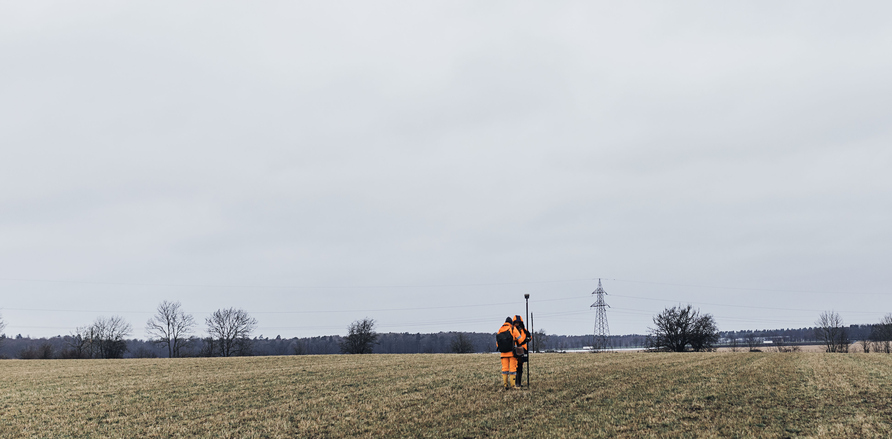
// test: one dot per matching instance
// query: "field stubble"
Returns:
(572, 395)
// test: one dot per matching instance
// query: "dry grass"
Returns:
(573, 395)
(798, 348)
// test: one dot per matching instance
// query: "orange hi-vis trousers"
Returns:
(509, 365)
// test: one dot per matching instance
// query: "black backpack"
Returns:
(505, 341)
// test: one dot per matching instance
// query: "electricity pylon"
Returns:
(602, 331)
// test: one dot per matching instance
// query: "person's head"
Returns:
(508, 320)
(518, 321)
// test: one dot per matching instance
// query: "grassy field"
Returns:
(456, 396)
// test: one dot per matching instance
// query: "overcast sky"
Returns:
(425, 164)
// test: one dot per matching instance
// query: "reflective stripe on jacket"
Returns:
(523, 339)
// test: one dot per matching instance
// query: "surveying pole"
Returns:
(531, 344)
(527, 298)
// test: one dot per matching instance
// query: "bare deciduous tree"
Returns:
(2, 327)
(680, 327)
(882, 335)
(781, 345)
(109, 335)
(752, 342)
(734, 344)
(105, 338)
(865, 345)
(80, 343)
(705, 333)
(170, 327)
(230, 330)
(829, 330)
(461, 344)
(361, 336)
(540, 341)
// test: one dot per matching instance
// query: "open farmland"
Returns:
(572, 395)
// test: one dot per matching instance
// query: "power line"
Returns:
(740, 306)
(546, 315)
(446, 285)
(425, 308)
(290, 287)
(742, 288)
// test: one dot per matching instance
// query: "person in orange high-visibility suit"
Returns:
(521, 342)
(509, 363)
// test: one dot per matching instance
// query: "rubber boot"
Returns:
(505, 380)
(511, 381)
(518, 379)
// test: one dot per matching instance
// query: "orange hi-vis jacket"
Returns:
(523, 340)
(515, 334)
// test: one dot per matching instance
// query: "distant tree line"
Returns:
(229, 333)
(385, 343)
(876, 337)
